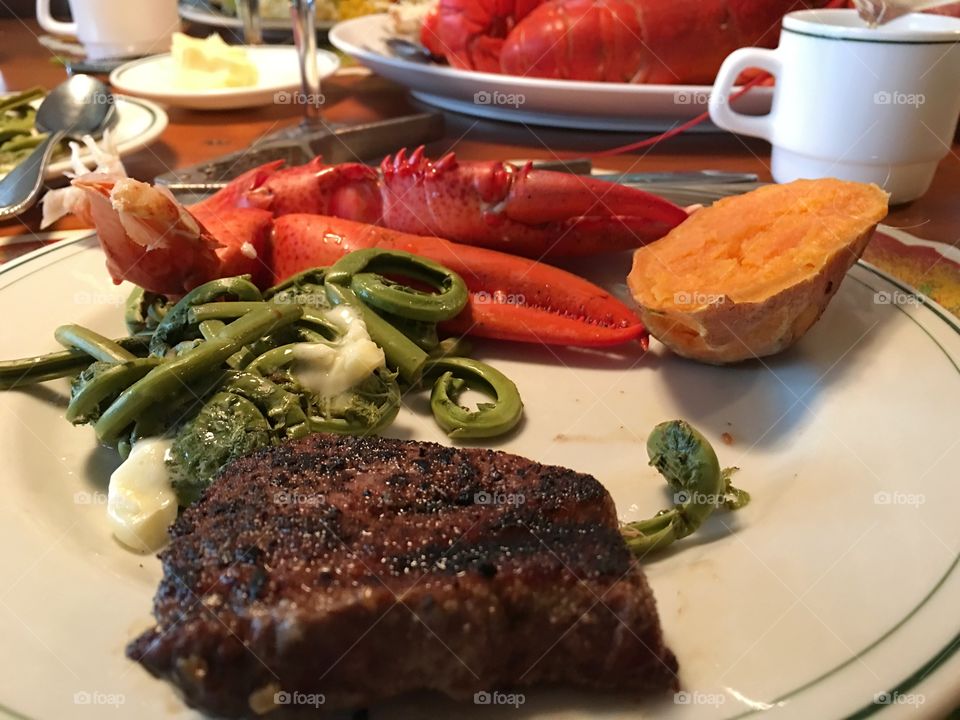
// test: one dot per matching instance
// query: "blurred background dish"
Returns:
(224, 15)
(530, 100)
(278, 80)
(275, 14)
(136, 124)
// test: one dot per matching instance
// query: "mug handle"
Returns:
(51, 24)
(721, 113)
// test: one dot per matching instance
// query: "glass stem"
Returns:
(304, 13)
(249, 12)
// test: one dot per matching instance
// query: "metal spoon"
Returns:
(80, 106)
(409, 50)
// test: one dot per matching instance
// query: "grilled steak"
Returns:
(362, 568)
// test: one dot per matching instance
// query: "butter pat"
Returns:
(210, 63)
(330, 370)
(141, 502)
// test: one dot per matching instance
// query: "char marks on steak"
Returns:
(362, 568)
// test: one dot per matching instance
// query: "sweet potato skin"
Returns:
(723, 329)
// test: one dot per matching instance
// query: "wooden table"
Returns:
(195, 136)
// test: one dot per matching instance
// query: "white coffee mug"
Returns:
(874, 105)
(116, 28)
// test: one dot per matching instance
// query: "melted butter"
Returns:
(330, 370)
(141, 503)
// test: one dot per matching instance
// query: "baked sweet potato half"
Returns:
(748, 276)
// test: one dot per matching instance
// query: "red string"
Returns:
(761, 77)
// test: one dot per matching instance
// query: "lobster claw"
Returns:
(522, 211)
(519, 210)
(511, 298)
(585, 215)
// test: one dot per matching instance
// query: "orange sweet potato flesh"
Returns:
(748, 276)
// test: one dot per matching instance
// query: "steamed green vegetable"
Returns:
(489, 419)
(689, 464)
(216, 370)
(228, 426)
(18, 134)
(67, 363)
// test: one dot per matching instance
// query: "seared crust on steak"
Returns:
(362, 568)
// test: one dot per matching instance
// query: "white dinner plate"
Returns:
(533, 101)
(278, 80)
(200, 11)
(138, 123)
(834, 592)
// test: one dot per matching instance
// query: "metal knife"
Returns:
(695, 177)
(699, 193)
(337, 143)
(584, 166)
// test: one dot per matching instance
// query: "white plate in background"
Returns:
(200, 12)
(137, 124)
(533, 101)
(278, 80)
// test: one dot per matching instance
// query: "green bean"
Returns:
(211, 328)
(167, 380)
(489, 419)
(241, 358)
(305, 334)
(226, 427)
(143, 311)
(404, 301)
(92, 343)
(424, 334)
(108, 383)
(171, 329)
(272, 360)
(280, 406)
(222, 310)
(400, 352)
(23, 142)
(232, 310)
(246, 355)
(689, 465)
(28, 371)
(315, 277)
(452, 347)
(21, 98)
(162, 417)
(357, 270)
(363, 415)
(328, 329)
(133, 316)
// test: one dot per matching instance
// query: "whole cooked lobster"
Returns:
(635, 41)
